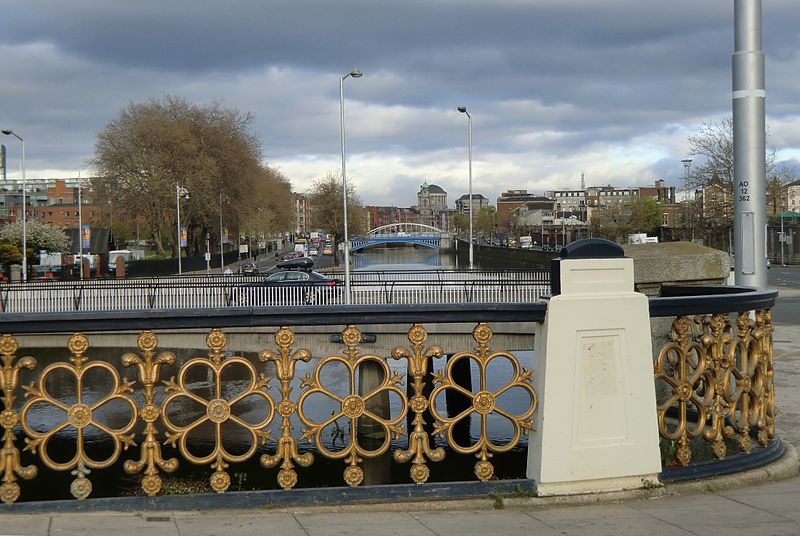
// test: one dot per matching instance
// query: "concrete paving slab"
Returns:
(786, 355)
(348, 524)
(781, 498)
(696, 512)
(234, 523)
(24, 525)
(604, 520)
(485, 522)
(713, 527)
(81, 524)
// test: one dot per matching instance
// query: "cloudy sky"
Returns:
(555, 88)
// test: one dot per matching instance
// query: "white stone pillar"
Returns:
(596, 427)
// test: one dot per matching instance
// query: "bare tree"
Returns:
(327, 208)
(153, 147)
(711, 215)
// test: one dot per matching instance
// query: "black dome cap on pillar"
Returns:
(587, 248)
(592, 248)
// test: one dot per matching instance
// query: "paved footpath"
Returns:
(750, 504)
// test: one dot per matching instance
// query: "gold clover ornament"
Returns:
(82, 416)
(484, 402)
(356, 408)
(218, 410)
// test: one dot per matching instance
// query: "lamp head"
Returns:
(462, 109)
(356, 73)
(7, 131)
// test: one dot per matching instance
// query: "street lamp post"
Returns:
(80, 228)
(221, 250)
(180, 191)
(10, 132)
(687, 163)
(355, 73)
(783, 241)
(749, 145)
(463, 110)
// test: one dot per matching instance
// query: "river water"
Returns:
(404, 258)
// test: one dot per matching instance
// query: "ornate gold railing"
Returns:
(715, 384)
(140, 417)
(714, 380)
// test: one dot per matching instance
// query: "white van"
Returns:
(127, 256)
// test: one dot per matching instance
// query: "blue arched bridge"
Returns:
(414, 234)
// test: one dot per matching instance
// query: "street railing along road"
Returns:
(214, 291)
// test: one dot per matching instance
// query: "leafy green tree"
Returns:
(9, 254)
(483, 222)
(616, 220)
(460, 222)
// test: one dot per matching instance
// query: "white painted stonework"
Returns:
(596, 427)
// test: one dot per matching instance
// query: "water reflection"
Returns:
(402, 258)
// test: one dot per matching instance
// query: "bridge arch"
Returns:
(417, 234)
(404, 227)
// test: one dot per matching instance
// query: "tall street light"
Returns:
(749, 146)
(221, 250)
(10, 132)
(180, 191)
(80, 227)
(463, 110)
(355, 73)
(687, 163)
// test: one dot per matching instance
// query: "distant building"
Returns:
(51, 202)
(432, 206)
(660, 192)
(570, 203)
(716, 202)
(509, 201)
(478, 202)
(534, 213)
(793, 197)
(302, 214)
(380, 216)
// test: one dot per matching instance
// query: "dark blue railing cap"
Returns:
(592, 248)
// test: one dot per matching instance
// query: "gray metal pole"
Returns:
(24, 207)
(346, 244)
(749, 147)
(463, 110)
(178, 218)
(80, 228)
(783, 241)
(24, 217)
(471, 240)
(221, 249)
(355, 73)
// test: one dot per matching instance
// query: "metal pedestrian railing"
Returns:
(383, 287)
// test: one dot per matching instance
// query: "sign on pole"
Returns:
(86, 236)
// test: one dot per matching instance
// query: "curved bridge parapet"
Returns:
(714, 372)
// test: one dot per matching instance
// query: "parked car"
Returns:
(303, 285)
(248, 268)
(298, 277)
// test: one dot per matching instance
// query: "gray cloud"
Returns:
(555, 87)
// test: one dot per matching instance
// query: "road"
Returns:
(787, 280)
